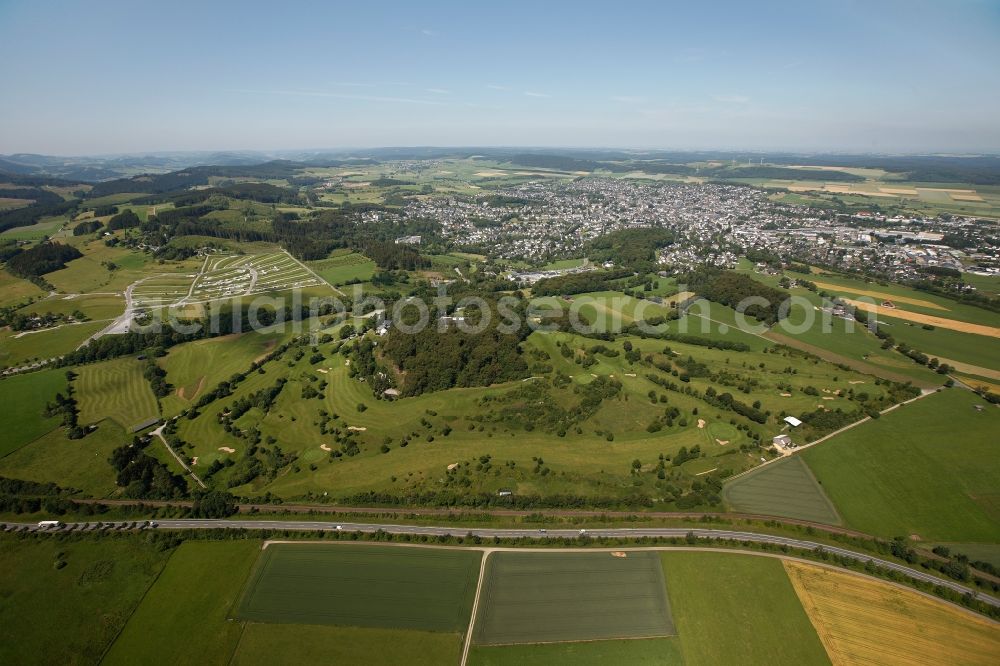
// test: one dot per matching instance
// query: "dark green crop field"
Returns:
(546, 597)
(786, 488)
(363, 586)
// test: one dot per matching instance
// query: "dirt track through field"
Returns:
(826, 355)
(880, 294)
(969, 369)
(940, 322)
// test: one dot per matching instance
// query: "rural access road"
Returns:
(124, 322)
(799, 449)
(622, 533)
(159, 433)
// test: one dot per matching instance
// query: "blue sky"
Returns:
(108, 76)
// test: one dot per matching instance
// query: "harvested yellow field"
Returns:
(864, 621)
(965, 197)
(941, 322)
(847, 189)
(976, 382)
(881, 294)
(899, 190)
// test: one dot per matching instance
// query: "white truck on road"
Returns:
(49, 524)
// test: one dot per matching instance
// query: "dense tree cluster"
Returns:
(87, 227)
(45, 204)
(433, 360)
(392, 256)
(731, 288)
(634, 249)
(142, 476)
(127, 219)
(577, 283)
(41, 259)
(262, 400)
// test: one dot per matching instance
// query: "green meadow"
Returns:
(342, 268)
(199, 366)
(64, 602)
(81, 463)
(21, 348)
(442, 431)
(730, 608)
(15, 290)
(184, 617)
(927, 469)
(24, 398)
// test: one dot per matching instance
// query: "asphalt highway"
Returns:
(489, 533)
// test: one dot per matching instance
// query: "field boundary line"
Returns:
(475, 606)
(45, 434)
(259, 565)
(159, 573)
(312, 272)
(236, 648)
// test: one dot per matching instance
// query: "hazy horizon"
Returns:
(884, 77)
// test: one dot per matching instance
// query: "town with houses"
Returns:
(714, 224)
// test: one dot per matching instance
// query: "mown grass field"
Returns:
(81, 464)
(660, 651)
(342, 268)
(954, 345)
(91, 273)
(786, 488)
(611, 310)
(116, 390)
(14, 290)
(47, 226)
(17, 349)
(849, 339)
(561, 264)
(69, 615)
(24, 398)
(96, 307)
(547, 597)
(731, 608)
(362, 586)
(266, 644)
(864, 621)
(928, 469)
(199, 366)
(183, 619)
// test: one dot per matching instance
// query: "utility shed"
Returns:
(782, 441)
